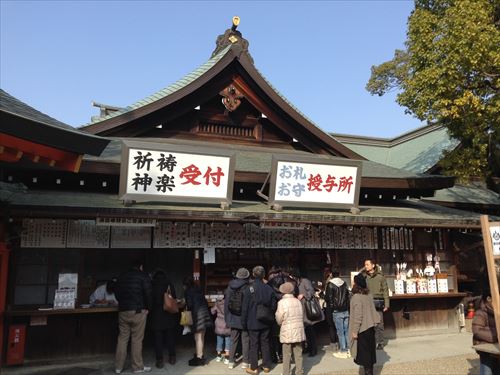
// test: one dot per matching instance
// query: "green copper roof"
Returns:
(466, 194)
(255, 159)
(408, 212)
(13, 105)
(183, 82)
(416, 151)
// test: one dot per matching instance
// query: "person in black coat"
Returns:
(257, 294)
(237, 286)
(164, 324)
(275, 279)
(197, 304)
(133, 292)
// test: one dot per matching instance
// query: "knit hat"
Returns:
(242, 273)
(287, 288)
(360, 281)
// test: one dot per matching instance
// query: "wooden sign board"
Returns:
(491, 238)
(314, 182)
(164, 172)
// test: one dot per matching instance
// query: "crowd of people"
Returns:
(269, 316)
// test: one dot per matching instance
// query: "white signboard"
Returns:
(209, 255)
(301, 183)
(495, 239)
(164, 173)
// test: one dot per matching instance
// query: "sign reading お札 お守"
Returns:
(163, 172)
(315, 182)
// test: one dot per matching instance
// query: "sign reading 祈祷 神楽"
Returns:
(165, 172)
(315, 182)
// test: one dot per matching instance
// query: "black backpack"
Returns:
(235, 301)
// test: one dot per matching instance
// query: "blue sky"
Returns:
(58, 56)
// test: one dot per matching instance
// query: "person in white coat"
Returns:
(290, 316)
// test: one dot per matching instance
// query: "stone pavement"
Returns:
(449, 354)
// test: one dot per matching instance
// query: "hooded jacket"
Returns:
(483, 326)
(233, 321)
(221, 327)
(337, 295)
(377, 285)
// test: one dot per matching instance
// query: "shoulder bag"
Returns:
(169, 302)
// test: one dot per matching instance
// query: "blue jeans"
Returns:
(223, 344)
(488, 364)
(341, 320)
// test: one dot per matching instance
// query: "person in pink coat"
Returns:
(222, 331)
(290, 316)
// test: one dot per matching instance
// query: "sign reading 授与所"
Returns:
(164, 172)
(315, 182)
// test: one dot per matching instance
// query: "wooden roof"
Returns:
(30, 134)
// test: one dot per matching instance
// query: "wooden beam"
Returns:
(14, 148)
(490, 262)
(253, 99)
(10, 154)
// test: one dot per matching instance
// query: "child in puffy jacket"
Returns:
(290, 316)
(222, 331)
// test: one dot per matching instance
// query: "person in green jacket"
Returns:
(377, 285)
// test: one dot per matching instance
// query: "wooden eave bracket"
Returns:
(128, 202)
(13, 148)
(355, 210)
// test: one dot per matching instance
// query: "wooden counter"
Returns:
(422, 314)
(67, 332)
(427, 295)
(44, 312)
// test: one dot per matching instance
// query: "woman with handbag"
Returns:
(362, 321)
(307, 296)
(197, 304)
(164, 317)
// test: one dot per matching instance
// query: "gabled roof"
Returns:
(167, 91)
(231, 63)
(418, 150)
(257, 159)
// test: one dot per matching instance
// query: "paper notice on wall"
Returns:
(209, 255)
(495, 239)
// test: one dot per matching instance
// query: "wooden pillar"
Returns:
(4, 267)
(490, 263)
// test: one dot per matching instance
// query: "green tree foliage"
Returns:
(450, 74)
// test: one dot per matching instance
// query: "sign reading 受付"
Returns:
(312, 182)
(151, 172)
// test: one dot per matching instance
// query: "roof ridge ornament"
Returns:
(231, 37)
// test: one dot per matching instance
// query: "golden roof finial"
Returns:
(236, 22)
